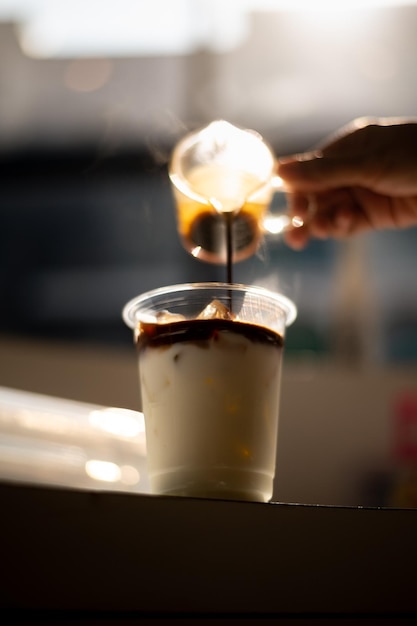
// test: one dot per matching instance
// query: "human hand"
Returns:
(364, 178)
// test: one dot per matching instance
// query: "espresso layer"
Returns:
(198, 331)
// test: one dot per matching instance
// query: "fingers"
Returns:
(300, 206)
(297, 238)
(338, 222)
(320, 192)
(335, 214)
(315, 172)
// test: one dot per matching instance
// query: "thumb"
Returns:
(317, 172)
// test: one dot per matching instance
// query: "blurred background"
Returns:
(93, 97)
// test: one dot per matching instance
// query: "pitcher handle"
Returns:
(275, 224)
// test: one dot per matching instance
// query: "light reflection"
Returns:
(275, 224)
(109, 472)
(43, 422)
(129, 475)
(50, 440)
(58, 28)
(103, 470)
(196, 251)
(117, 421)
(277, 183)
(297, 221)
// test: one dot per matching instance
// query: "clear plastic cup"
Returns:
(210, 359)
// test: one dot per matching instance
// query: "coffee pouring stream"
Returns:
(223, 180)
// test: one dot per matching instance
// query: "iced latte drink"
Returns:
(210, 358)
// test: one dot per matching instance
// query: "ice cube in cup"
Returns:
(215, 310)
(166, 317)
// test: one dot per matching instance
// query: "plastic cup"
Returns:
(210, 359)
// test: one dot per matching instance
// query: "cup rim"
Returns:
(176, 174)
(128, 312)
